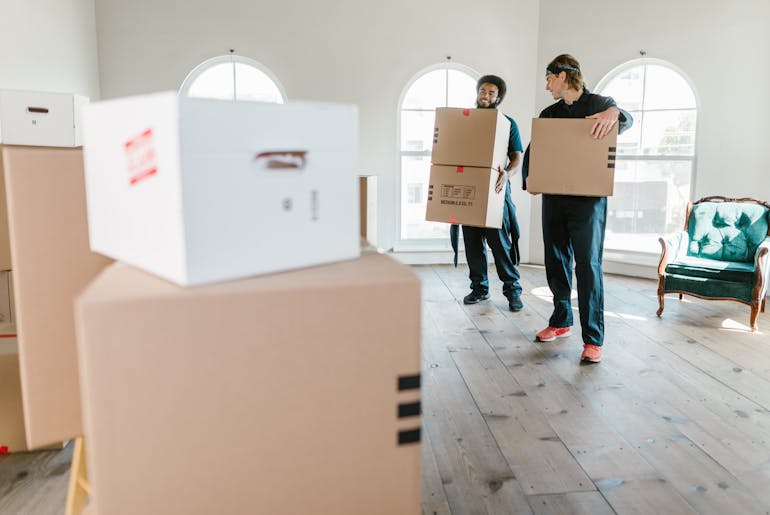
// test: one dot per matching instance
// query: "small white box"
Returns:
(40, 119)
(198, 190)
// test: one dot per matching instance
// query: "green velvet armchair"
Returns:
(720, 255)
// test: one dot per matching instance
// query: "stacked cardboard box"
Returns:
(52, 264)
(11, 413)
(43, 234)
(367, 185)
(199, 191)
(564, 159)
(468, 146)
(306, 377)
(303, 386)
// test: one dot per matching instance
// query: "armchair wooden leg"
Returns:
(660, 304)
(681, 296)
(754, 315)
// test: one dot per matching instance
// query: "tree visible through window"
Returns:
(233, 77)
(445, 85)
(656, 157)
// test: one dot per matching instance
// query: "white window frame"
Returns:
(651, 257)
(420, 244)
(188, 81)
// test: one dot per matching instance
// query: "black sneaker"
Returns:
(515, 303)
(474, 297)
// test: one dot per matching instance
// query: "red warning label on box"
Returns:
(141, 157)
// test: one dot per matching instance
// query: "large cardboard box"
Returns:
(52, 263)
(42, 119)
(11, 412)
(464, 195)
(470, 137)
(290, 393)
(198, 190)
(367, 185)
(564, 159)
(6, 298)
(5, 242)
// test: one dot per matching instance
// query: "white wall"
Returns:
(49, 45)
(359, 51)
(722, 47)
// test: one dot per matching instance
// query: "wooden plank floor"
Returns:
(676, 418)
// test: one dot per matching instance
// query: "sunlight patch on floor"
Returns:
(728, 324)
(544, 292)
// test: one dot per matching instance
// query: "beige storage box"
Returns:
(464, 195)
(290, 393)
(564, 159)
(470, 137)
(52, 263)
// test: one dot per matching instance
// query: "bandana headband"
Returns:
(557, 68)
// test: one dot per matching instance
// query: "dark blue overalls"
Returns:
(503, 242)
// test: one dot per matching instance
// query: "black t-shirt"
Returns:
(588, 104)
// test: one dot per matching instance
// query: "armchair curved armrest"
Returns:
(761, 268)
(672, 246)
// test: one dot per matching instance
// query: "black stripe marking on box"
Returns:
(409, 382)
(409, 436)
(410, 409)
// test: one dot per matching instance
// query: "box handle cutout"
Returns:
(281, 159)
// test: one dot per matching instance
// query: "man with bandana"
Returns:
(573, 226)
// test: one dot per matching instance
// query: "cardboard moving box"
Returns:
(5, 241)
(11, 413)
(40, 119)
(368, 203)
(199, 190)
(464, 195)
(283, 394)
(52, 263)
(470, 137)
(564, 159)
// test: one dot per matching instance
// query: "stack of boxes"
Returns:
(468, 146)
(48, 241)
(201, 384)
(207, 389)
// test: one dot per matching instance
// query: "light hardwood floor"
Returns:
(676, 418)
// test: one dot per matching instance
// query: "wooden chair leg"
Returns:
(79, 488)
(660, 304)
(681, 296)
(754, 315)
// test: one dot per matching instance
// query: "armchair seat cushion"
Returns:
(731, 271)
(708, 288)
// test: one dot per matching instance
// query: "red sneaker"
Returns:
(549, 334)
(591, 353)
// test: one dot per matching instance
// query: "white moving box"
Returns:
(198, 191)
(40, 119)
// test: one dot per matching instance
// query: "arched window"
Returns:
(233, 77)
(442, 85)
(656, 157)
